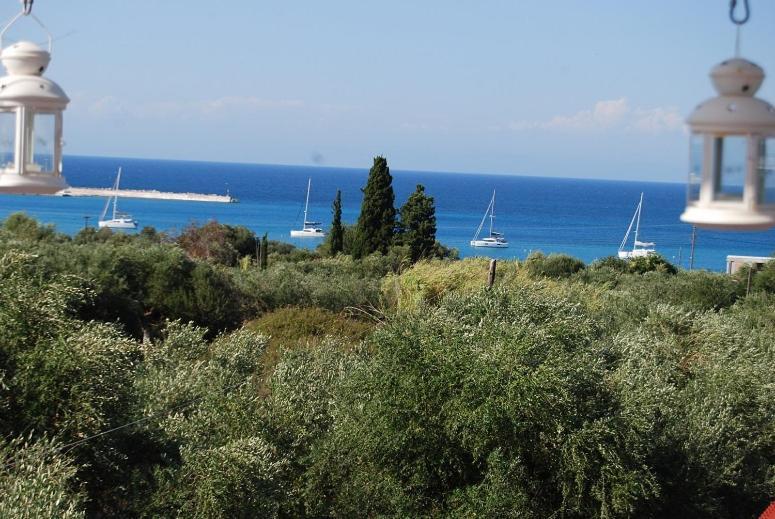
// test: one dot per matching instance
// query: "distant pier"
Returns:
(138, 193)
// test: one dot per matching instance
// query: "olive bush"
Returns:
(36, 481)
(699, 387)
(63, 377)
(553, 265)
(202, 398)
(330, 283)
(493, 399)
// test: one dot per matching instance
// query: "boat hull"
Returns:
(629, 254)
(307, 234)
(489, 244)
(117, 224)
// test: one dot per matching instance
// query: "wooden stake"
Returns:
(491, 273)
(748, 287)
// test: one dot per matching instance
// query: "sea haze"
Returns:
(584, 218)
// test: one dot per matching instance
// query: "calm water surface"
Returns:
(584, 218)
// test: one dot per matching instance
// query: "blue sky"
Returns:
(576, 88)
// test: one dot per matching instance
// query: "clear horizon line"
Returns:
(366, 169)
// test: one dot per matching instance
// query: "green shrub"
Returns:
(592, 392)
(610, 262)
(330, 283)
(291, 324)
(699, 388)
(553, 265)
(219, 243)
(496, 387)
(36, 481)
(650, 263)
(762, 280)
(65, 378)
(632, 297)
(141, 284)
(204, 401)
(293, 327)
(428, 282)
(19, 226)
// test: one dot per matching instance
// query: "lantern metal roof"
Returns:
(735, 110)
(24, 84)
(735, 113)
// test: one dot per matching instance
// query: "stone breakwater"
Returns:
(138, 193)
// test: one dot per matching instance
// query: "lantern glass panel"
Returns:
(696, 153)
(40, 150)
(729, 165)
(7, 139)
(766, 173)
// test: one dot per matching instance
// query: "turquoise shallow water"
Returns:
(585, 218)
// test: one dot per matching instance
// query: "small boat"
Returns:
(640, 248)
(310, 229)
(118, 220)
(493, 239)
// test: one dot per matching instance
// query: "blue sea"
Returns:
(584, 218)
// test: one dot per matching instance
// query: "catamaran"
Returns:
(310, 229)
(640, 248)
(118, 220)
(493, 239)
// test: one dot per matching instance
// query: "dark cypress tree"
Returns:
(337, 231)
(418, 224)
(376, 223)
(264, 252)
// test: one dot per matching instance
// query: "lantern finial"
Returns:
(24, 58)
(737, 77)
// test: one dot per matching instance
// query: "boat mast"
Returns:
(627, 234)
(105, 209)
(492, 210)
(115, 192)
(306, 203)
(481, 224)
(637, 225)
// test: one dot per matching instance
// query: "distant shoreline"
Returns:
(145, 193)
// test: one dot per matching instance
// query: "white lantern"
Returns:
(31, 109)
(732, 153)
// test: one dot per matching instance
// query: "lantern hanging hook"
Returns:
(732, 7)
(26, 11)
(738, 21)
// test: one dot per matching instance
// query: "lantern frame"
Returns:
(734, 114)
(26, 94)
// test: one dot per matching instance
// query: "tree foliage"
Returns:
(36, 481)
(417, 225)
(553, 265)
(336, 235)
(21, 226)
(264, 262)
(377, 219)
(565, 391)
(218, 243)
(498, 387)
(761, 280)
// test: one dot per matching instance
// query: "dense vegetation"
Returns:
(409, 238)
(377, 218)
(152, 375)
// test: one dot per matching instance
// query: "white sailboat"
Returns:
(118, 220)
(493, 239)
(310, 229)
(640, 248)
